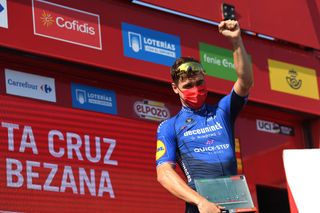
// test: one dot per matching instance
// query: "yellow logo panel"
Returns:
(293, 79)
(161, 149)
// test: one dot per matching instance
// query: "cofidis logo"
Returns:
(150, 45)
(30, 85)
(66, 24)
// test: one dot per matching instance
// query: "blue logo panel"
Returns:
(93, 99)
(150, 45)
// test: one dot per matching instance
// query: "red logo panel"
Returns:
(66, 24)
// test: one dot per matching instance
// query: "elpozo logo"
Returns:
(150, 45)
(151, 110)
(30, 85)
(66, 24)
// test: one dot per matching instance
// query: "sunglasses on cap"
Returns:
(190, 67)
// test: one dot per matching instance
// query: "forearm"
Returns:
(242, 66)
(170, 180)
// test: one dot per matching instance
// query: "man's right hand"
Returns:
(206, 206)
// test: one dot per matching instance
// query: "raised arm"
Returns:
(231, 30)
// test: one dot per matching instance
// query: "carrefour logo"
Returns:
(46, 88)
(30, 85)
(150, 45)
(27, 85)
(66, 24)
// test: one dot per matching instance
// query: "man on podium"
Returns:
(200, 137)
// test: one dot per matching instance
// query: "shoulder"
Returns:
(166, 124)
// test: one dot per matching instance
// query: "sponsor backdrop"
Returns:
(141, 43)
(83, 161)
(255, 16)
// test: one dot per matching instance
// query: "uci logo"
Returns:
(267, 126)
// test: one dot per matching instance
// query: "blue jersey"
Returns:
(201, 141)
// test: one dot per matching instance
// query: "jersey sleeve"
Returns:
(232, 104)
(166, 143)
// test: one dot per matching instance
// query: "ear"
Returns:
(175, 88)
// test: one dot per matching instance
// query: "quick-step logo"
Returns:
(66, 24)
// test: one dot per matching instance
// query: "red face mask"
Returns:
(195, 96)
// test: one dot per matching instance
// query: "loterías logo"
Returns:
(66, 24)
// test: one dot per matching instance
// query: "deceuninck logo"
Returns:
(30, 85)
(66, 24)
(150, 45)
(293, 79)
(3, 14)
